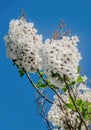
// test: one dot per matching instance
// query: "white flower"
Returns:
(23, 44)
(60, 57)
(82, 92)
(84, 78)
(58, 113)
(75, 39)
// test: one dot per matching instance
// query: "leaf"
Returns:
(70, 104)
(48, 81)
(54, 87)
(64, 89)
(79, 79)
(79, 69)
(40, 84)
(79, 102)
(70, 100)
(21, 72)
(15, 64)
(89, 110)
(59, 127)
(86, 116)
(72, 83)
(41, 73)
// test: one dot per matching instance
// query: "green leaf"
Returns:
(21, 72)
(41, 72)
(86, 116)
(89, 109)
(79, 102)
(70, 100)
(85, 103)
(72, 83)
(85, 108)
(15, 64)
(54, 87)
(70, 104)
(40, 84)
(79, 79)
(64, 89)
(79, 69)
(48, 81)
(59, 127)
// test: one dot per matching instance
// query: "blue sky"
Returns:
(17, 107)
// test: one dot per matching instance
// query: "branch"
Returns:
(79, 128)
(50, 87)
(67, 121)
(77, 109)
(30, 80)
(42, 111)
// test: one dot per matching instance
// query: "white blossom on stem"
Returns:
(61, 57)
(23, 44)
(59, 113)
(81, 91)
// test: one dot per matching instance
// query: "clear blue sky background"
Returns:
(17, 107)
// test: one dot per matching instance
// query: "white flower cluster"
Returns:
(61, 57)
(56, 115)
(22, 44)
(82, 92)
(58, 56)
(59, 113)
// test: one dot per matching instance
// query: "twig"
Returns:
(67, 121)
(75, 105)
(79, 128)
(38, 89)
(42, 112)
(51, 87)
